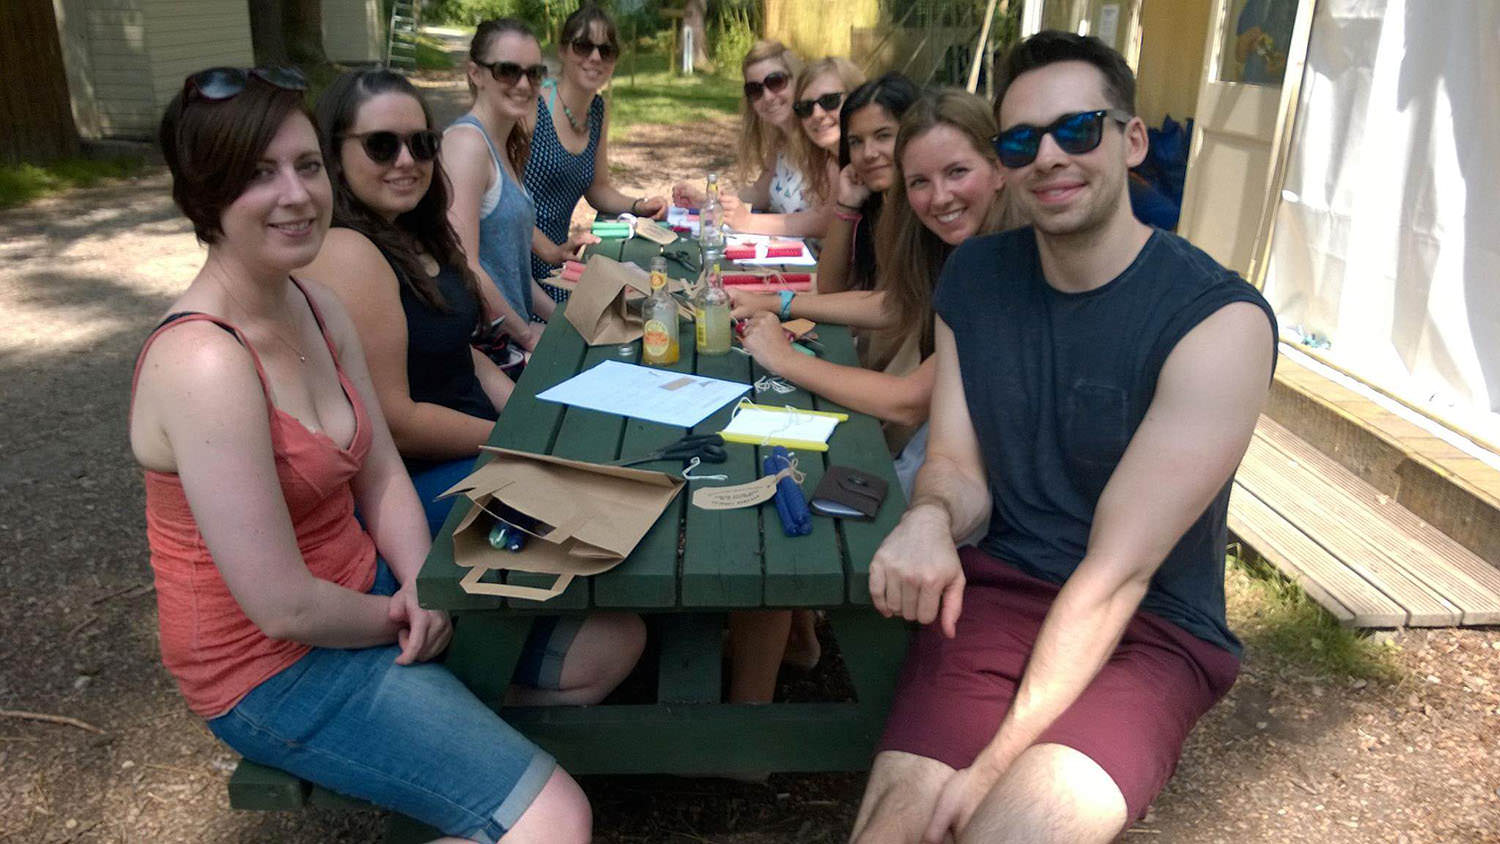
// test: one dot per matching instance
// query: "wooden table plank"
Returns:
(1426, 552)
(860, 442)
(801, 571)
(1299, 496)
(721, 564)
(648, 577)
(582, 435)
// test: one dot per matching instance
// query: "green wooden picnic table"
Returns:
(693, 566)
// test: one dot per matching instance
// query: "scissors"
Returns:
(708, 448)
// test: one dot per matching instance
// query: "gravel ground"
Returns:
(1290, 755)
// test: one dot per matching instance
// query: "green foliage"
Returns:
(1277, 620)
(432, 54)
(660, 97)
(467, 12)
(25, 182)
(733, 29)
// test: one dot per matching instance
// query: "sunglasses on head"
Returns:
(773, 82)
(510, 73)
(223, 83)
(583, 48)
(827, 102)
(1075, 134)
(384, 147)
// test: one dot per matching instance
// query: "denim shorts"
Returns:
(410, 738)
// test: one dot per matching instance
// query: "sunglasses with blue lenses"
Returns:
(222, 83)
(1075, 134)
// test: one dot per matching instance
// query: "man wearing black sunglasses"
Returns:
(1097, 383)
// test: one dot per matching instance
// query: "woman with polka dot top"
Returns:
(569, 145)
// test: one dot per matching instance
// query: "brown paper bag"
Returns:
(589, 518)
(597, 306)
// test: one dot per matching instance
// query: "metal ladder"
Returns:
(401, 35)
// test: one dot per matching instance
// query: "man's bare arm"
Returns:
(915, 573)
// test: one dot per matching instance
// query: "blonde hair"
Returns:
(757, 137)
(909, 256)
(807, 156)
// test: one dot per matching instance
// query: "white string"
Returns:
(773, 382)
(693, 464)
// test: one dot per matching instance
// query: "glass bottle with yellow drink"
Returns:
(711, 307)
(659, 343)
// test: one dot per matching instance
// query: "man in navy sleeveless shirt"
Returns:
(1098, 381)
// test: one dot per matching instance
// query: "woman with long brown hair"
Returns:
(947, 189)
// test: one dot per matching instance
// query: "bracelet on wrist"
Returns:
(634, 203)
(786, 304)
(847, 216)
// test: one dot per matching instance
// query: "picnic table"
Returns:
(693, 566)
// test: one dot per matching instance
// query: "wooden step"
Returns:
(1367, 559)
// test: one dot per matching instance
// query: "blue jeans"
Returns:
(434, 479)
(410, 738)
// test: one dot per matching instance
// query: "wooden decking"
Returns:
(1353, 549)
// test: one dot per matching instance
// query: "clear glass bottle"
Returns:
(659, 344)
(711, 307)
(711, 217)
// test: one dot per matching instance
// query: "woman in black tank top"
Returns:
(396, 263)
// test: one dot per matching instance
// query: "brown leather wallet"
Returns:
(848, 494)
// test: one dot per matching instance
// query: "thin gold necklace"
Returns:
(272, 325)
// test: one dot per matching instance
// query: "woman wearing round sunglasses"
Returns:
(290, 626)
(570, 145)
(394, 260)
(946, 189)
(484, 154)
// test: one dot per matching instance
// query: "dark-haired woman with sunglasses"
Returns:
(570, 145)
(290, 626)
(484, 155)
(395, 262)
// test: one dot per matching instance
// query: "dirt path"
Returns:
(1288, 756)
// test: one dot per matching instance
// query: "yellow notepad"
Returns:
(792, 427)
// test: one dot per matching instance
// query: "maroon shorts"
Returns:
(1131, 720)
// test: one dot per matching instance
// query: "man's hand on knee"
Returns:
(916, 574)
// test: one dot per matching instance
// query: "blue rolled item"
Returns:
(791, 504)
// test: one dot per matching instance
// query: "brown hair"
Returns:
(1052, 46)
(212, 147)
(424, 227)
(757, 137)
(518, 142)
(910, 256)
(577, 25)
(808, 157)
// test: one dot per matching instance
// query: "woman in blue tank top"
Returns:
(484, 155)
(569, 149)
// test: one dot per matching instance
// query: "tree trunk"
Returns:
(693, 16)
(265, 33)
(302, 26)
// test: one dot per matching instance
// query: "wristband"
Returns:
(846, 216)
(786, 304)
(634, 203)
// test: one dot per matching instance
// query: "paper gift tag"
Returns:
(734, 497)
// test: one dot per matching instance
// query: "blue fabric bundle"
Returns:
(791, 505)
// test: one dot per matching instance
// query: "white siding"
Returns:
(353, 31)
(189, 36)
(120, 72)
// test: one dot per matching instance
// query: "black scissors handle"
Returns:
(708, 448)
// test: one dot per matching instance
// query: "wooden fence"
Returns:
(36, 116)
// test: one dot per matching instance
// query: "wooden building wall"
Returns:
(35, 115)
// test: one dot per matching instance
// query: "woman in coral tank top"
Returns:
(292, 628)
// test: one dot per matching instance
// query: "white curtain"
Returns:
(1387, 242)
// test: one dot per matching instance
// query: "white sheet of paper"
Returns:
(775, 425)
(642, 392)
